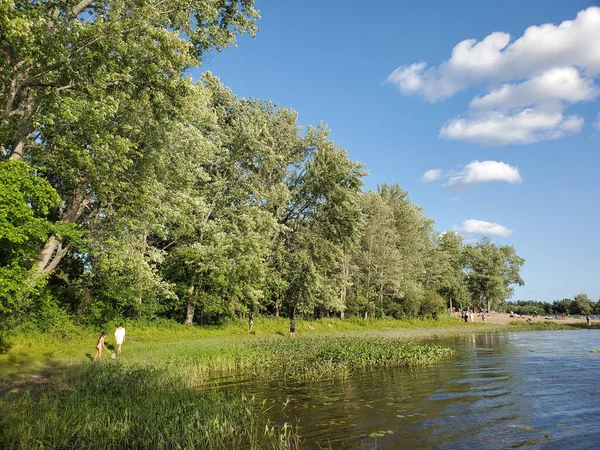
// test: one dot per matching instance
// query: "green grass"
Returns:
(115, 406)
(308, 358)
(542, 326)
(155, 394)
(39, 353)
(31, 352)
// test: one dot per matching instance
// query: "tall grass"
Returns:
(158, 397)
(115, 406)
(31, 352)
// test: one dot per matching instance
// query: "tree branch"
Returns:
(80, 7)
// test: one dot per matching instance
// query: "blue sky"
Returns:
(525, 106)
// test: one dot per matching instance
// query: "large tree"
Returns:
(449, 262)
(492, 271)
(392, 258)
(92, 91)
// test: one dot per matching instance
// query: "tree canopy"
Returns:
(130, 190)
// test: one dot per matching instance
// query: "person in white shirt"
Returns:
(119, 337)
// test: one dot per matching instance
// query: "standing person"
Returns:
(293, 326)
(99, 346)
(588, 320)
(250, 322)
(119, 337)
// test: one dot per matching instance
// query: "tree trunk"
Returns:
(381, 298)
(489, 305)
(345, 276)
(191, 306)
(277, 306)
(53, 251)
(367, 294)
(25, 110)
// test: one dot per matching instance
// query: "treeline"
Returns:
(128, 190)
(581, 304)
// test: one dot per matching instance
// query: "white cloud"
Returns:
(432, 175)
(473, 226)
(532, 79)
(484, 172)
(558, 84)
(500, 128)
(541, 48)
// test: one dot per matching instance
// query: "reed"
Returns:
(115, 406)
(157, 395)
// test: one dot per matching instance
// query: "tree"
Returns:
(320, 219)
(92, 91)
(450, 262)
(379, 258)
(26, 204)
(582, 304)
(391, 263)
(491, 271)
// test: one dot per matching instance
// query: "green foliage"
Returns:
(581, 304)
(491, 271)
(26, 204)
(131, 191)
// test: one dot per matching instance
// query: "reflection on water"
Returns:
(538, 389)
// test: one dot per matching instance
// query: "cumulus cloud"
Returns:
(532, 80)
(484, 172)
(432, 175)
(500, 128)
(482, 227)
(558, 84)
(572, 43)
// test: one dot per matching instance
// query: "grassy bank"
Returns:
(33, 352)
(155, 396)
(115, 406)
(224, 346)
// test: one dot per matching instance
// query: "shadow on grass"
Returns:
(29, 377)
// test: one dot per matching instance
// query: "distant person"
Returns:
(293, 326)
(466, 316)
(99, 346)
(250, 322)
(588, 320)
(119, 337)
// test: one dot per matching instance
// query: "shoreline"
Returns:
(505, 319)
(35, 357)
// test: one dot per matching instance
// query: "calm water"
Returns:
(535, 390)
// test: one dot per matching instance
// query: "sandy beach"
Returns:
(504, 318)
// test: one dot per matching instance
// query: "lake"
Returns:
(530, 389)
